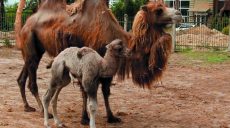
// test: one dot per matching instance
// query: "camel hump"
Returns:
(83, 51)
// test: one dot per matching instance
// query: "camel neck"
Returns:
(109, 65)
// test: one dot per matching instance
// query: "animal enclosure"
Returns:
(208, 38)
(192, 94)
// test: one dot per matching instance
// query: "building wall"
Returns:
(184, 6)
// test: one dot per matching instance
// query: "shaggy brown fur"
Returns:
(51, 29)
(151, 46)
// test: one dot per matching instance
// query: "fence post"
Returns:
(125, 22)
(229, 33)
(174, 38)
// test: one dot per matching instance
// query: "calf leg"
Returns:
(46, 101)
(84, 118)
(92, 107)
(106, 83)
(62, 82)
(54, 108)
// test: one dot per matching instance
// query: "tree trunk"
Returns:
(2, 12)
(225, 9)
(18, 20)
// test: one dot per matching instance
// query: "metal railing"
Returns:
(198, 33)
(202, 33)
(7, 34)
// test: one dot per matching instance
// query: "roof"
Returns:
(200, 6)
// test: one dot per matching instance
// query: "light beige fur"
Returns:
(87, 66)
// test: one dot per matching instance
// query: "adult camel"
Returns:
(52, 30)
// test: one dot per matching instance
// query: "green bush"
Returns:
(7, 42)
(226, 30)
(219, 23)
(131, 7)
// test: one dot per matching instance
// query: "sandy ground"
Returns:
(191, 96)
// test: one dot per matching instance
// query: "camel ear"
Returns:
(144, 8)
(107, 46)
(117, 47)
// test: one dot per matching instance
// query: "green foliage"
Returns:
(131, 7)
(9, 17)
(226, 30)
(11, 8)
(207, 57)
(219, 23)
(7, 42)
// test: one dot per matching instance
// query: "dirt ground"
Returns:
(190, 96)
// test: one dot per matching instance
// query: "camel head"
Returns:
(118, 49)
(157, 14)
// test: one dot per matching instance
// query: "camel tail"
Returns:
(18, 23)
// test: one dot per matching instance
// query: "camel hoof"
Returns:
(113, 119)
(61, 126)
(85, 121)
(50, 116)
(29, 109)
(47, 126)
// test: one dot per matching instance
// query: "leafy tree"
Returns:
(2, 11)
(129, 7)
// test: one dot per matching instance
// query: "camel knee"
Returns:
(33, 88)
(21, 83)
(46, 98)
(22, 78)
(92, 105)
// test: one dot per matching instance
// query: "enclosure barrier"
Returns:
(195, 33)
(7, 34)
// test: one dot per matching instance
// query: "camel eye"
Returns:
(119, 49)
(159, 11)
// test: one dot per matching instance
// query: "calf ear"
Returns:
(144, 8)
(107, 46)
(117, 47)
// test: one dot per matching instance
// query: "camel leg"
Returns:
(84, 118)
(91, 87)
(106, 82)
(32, 71)
(92, 107)
(62, 82)
(46, 101)
(22, 82)
(54, 108)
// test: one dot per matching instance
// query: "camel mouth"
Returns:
(127, 53)
(175, 15)
(177, 19)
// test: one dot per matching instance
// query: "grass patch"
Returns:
(7, 43)
(207, 57)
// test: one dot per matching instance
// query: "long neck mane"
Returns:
(150, 54)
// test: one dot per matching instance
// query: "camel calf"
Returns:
(87, 66)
